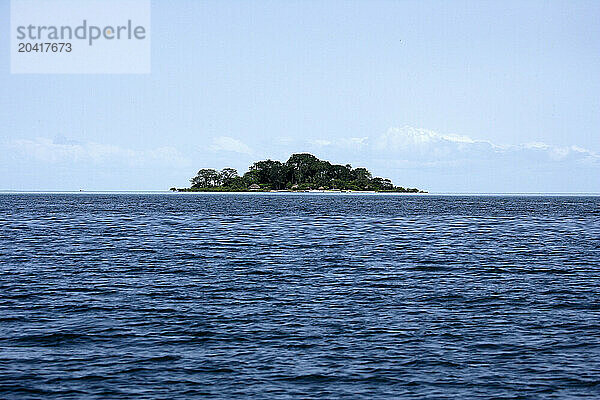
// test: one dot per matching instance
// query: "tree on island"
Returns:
(301, 172)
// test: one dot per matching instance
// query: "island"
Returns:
(301, 172)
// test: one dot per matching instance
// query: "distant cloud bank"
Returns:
(409, 156)
(226, 143)
(442, 162)
(62, 150)
(420, 147)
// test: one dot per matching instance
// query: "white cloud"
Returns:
(63, 150)
(449, 162)
(320, 142)
(409, 156)
(408, 146)
(348, 143)
(356, 141)
(226, 143)
(408, 139)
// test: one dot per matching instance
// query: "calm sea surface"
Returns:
(299, 296)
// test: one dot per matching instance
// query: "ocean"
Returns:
(281, 296)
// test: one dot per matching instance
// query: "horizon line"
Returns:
(166, 191)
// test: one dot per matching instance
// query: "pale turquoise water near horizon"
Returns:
(279, 295)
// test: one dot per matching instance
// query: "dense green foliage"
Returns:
(300, 172)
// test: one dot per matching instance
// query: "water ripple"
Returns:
(299, 296)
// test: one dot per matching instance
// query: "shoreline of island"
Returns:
(184, 190)
(207, 190)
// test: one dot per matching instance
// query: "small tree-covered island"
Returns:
(302, 172)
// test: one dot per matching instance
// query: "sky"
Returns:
(476, 96)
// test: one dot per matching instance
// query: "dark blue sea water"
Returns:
(299, 296)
